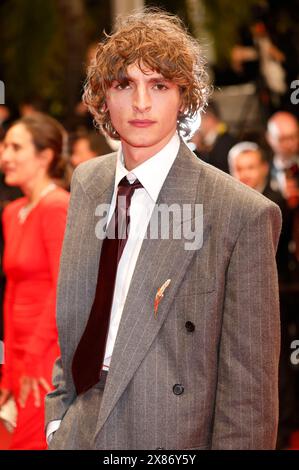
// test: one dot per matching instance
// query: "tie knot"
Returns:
(124, 183)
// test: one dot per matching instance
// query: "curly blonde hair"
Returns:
(154, 40)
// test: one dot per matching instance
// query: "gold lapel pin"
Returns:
(160, 295)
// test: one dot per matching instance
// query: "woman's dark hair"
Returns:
(47, 133)
(2, 134)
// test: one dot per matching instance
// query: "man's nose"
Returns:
(141, 100)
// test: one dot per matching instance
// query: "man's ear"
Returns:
(182, 107)
(268, 137)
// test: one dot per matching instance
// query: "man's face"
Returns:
(283, 137)
(250, 169)
(144, 109)
(81, 152)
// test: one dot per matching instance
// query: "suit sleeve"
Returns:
(246, 408)
(45, 333)
(58, 400)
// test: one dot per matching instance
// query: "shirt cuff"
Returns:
(51, 428)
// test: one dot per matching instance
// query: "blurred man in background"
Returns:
(283, 138)
(213, 140)
(87, 146)
(248, 163)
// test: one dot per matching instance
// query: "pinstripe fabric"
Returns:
(228, 289)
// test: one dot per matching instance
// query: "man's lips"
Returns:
(141, 122)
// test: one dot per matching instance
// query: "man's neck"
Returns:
(135, 156)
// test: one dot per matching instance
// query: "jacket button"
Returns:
(190, 327)
(178, 389)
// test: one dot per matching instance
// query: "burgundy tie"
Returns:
(89, 355)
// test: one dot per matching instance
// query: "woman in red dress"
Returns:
(33, 229)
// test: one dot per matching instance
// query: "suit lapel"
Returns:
(159, 260)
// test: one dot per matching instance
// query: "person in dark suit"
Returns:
(164, 333)
(283, 138)
(248, 163)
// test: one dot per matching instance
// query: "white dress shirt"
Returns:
(280, 166)
(151, 174)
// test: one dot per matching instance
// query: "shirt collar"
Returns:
(151, 173)
(281, 164)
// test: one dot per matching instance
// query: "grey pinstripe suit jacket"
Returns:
(227, 366)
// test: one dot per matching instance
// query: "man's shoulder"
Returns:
(95, 171)
(274, 196)
(230, 203)
(231, 193)
(95, 165)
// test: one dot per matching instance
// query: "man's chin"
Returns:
(140, 143)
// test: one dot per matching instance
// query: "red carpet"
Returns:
(294, 444)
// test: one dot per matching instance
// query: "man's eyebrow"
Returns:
(159, 79)
(156, 79)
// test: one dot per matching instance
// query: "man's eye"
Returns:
(122, 86)
(160, 86)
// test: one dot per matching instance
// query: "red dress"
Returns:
(31, 263)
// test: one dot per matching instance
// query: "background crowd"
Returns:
(250, 129)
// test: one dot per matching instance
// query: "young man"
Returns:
(166, 343)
